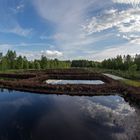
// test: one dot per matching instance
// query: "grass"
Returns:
(131, 82)
(13, 71)
(125, 74)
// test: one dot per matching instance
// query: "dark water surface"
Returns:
(27, 116)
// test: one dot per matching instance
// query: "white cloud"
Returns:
(135, 41)
(20, 31)
(62, 12)
(124, 21)
(51, 53)
(18, 8)
(31, 55)
(112, 52)
(5, 47)
(68, 15)
(133, 2)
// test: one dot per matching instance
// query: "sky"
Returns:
(70, 29)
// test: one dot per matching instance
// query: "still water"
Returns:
(63, 82)
(28, 116)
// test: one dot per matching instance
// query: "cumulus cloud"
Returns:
(126, 23)
(133, 2)
(51, 53)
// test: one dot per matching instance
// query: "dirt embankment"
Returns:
(34, 81)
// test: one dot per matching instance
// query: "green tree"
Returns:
(128, 61)
(37, 65)
(43, 62)
(19, 62)
(1, 55)
(137, 61)
(4, 64)
(25, 63)
(11, 56)
(133, 68)
(31, 65)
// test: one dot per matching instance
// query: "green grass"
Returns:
(9, 71)
(125, 74)
(131, 82)
(13, 71)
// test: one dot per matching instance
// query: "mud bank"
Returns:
(34, 81)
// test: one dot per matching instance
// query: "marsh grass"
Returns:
(131, 82)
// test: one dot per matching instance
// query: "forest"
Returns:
(10, 61)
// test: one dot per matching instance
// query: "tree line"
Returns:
(11, 61)
(126, 62)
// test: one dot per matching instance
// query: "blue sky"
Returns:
(70, 29)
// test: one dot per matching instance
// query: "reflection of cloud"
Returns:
(121, 109)
(123, 116)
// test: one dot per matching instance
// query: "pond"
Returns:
(63, 82)
(28, 116)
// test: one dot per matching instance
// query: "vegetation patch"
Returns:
(131, 82)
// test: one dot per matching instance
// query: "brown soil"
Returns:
(33, 81)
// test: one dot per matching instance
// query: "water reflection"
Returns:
(54, 82)
(26, 116)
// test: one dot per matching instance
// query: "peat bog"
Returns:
(35, 81)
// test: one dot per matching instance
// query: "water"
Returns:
(63, 82)
(27, 116)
